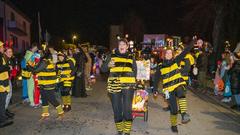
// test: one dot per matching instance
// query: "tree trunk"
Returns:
(218, 28)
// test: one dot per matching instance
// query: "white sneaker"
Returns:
(229, 100)
(224, 100)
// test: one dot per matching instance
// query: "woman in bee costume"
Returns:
(173, 85)
(66, 71)
(121, 85)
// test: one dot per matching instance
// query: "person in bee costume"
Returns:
(66, 72)
(173, 85)
(47, 80)
(121, 85)
(186, 63)
(4, 88)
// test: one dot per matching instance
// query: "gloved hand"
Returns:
(167, 95)
(79, 74)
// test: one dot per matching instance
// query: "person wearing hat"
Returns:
(173, 85)
(4, 88)
(121, 85)
(66, 72)
(47, 80)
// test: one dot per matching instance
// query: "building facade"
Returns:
(15, 27)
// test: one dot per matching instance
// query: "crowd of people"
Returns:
(45, 74)
(69, 72)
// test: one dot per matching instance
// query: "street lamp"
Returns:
(74, 38)
(63, 41)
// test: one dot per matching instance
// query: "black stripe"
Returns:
(64, 68)
(176, 81)
(170, 74)
(51, 86)
(4, 83)
(121, 74)
(123, 64)
(47, 78)
(129, 56)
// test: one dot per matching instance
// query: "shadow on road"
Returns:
(225, 121)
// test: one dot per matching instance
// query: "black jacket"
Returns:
(202, 61)
(235, 75)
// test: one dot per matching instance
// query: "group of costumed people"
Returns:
(44, 74)
(173, 69)
(65, 72)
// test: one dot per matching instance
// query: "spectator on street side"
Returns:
(218, 83)
(88, 66)
(10, 61)
(211, 63)
(235, 79)
(79, 89)
(24, 83)
(29, 57)
(202, 62)
(224, 74)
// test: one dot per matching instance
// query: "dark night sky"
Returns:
(91, 18)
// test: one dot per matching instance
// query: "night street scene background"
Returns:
(105, 67)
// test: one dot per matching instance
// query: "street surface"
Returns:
(93, 116)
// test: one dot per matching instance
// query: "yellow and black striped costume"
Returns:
(47, 80)
(64, 73)
(186, 66)
(173, 83)
(4, 76)
(121, 85)
(66, 77)
(172, 77)
(122, 74)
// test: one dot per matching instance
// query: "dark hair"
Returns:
(34, 45)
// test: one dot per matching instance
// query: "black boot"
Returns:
(174, 129)
(9, 114)
(69, 108)
(64, 108)
(83, 95)
(6, 123)
(185, 118)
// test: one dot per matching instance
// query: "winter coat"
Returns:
(235, 76)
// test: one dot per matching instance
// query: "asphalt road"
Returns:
(93, 116)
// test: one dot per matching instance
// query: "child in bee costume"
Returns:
(47, 80)
(121, 83)
(173, 85)
(65, 71)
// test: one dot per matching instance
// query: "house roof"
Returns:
(9, 3)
